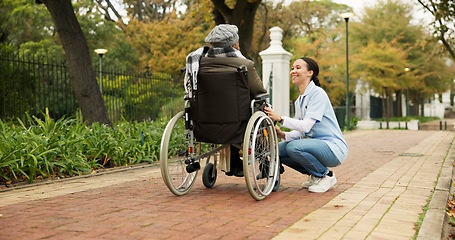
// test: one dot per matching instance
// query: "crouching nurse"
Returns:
(315, 143)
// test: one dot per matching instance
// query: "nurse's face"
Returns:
(300, 75)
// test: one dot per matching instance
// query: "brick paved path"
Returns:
(144, 208)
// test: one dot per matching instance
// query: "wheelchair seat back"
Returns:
(221, 108)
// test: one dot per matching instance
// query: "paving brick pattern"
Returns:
(136, 204)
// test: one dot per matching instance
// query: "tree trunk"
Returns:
(384, 107)
(82, 74)
(422, 105)
(389, 106)
(242, 15)
(416, 102)
(399, 107)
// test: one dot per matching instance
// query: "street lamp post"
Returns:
(346, 17)
(101, 53)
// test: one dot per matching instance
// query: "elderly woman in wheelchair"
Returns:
(223, 123)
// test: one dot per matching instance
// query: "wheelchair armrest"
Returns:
(261, 96)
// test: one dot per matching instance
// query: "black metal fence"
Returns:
(30, 85)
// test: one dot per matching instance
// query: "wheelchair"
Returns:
(209, 125)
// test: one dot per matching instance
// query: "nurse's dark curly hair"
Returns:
(313, 66)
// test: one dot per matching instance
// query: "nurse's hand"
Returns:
(279, 132)
(275, 117)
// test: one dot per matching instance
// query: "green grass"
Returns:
(422, 216)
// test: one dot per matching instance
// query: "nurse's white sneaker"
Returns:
(311, 180)
(322, 185)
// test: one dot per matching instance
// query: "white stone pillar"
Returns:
(362, 100)
(276, 67)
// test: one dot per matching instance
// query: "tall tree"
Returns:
(21, 22)
(382, 65)
(240, 13)
(163, 44)
(398, 36)
(443, 12)
(310, 28)
(82, 74)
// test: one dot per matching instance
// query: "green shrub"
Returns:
(408, 118)
(45, 148)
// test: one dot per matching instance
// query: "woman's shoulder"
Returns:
(245, 61)
(227, 60)
(318, 92)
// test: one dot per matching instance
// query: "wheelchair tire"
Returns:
(209, 175)
(260, 148)
(173, 154)
(277, 184)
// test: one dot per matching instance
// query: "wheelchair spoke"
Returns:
(260, 170)
(174, 154)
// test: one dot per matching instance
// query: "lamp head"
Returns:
(347, 15)
(101, 51)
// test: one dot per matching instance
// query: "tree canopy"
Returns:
(443, 23)
(157, 35)
(387, 48)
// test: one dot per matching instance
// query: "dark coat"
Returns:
(221, 109)
(209, 64)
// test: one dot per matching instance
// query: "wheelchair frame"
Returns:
(181, 154)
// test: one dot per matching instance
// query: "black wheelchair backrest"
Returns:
(221, 106)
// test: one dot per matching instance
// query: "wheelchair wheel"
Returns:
(260, 156)
(173, 154)
(209, 175)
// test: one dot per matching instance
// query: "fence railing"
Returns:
(30, 85)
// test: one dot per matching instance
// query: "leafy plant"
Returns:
(451, 211)
(41, 148)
